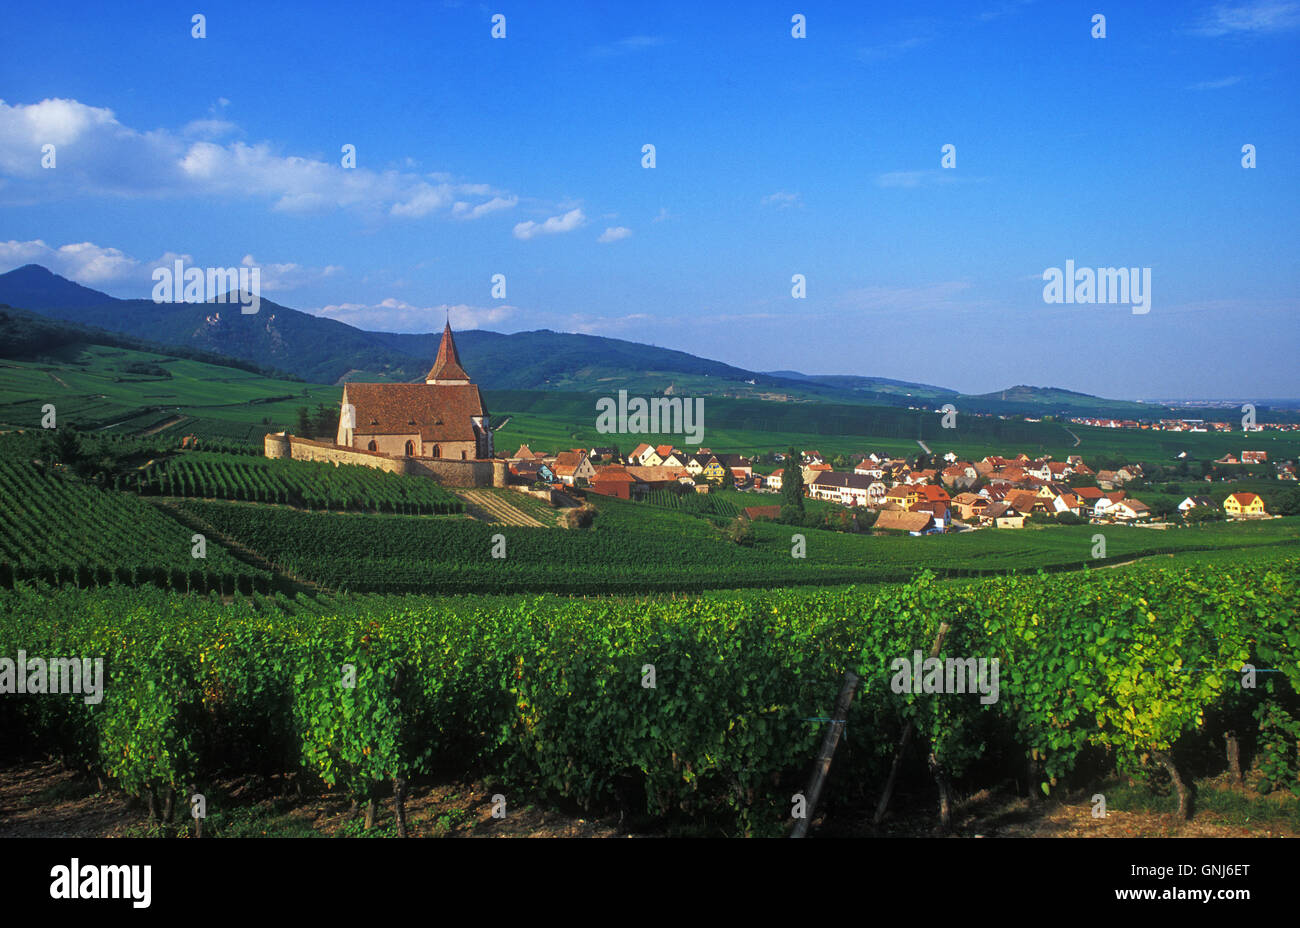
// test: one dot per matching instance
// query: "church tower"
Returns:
(446, 368)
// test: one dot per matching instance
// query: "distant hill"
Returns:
(30, 337)
(325, 351)
(32, 286)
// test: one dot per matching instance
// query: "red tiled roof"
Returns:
(447, 365)
(613, 474)
(897, 520)
(437, 412)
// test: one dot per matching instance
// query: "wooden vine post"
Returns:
(830, 742)
(903, 742)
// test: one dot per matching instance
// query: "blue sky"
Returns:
(775, 156)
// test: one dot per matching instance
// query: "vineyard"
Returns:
(307, 484)
(1138, 672)
(63, 530)
(700, 504)
(635, 548)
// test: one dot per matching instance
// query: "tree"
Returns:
(63, 446)
(1287, 503)
(792, 482)
(325, 421)
(741, 531)
(305, 428)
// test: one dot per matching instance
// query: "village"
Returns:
(913, 495)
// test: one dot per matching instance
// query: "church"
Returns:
(444, 417)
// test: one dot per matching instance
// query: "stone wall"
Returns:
(447, 472)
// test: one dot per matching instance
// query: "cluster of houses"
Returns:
(1011, 489)
(1182, 425)
(907, 498)
(646, 468)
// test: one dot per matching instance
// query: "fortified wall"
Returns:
(479, 473)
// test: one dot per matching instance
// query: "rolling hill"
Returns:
(325, 351)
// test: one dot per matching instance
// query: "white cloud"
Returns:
(290, 276)
(626, 46)
(392, 315)
(571, 220)
(463, 210)
(782, 199)
(83, 262)
(1216, 85)
(893, 299)
(96, 155)
(889, 50)
(663, 215)
(97, 265)
(916, 178)
(1253, 18)
(614, 234)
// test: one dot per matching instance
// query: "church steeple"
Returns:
(446, 367)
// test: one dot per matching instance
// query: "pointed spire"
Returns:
(446, 367)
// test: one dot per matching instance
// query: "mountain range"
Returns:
(326, 351)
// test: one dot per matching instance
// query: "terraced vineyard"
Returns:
(311, 485)
(61, 529)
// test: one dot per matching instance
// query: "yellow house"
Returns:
(905, 496)
(1243, 504)
(714, 470)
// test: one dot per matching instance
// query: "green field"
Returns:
(558, 421)
(94, 387)
(635, 547)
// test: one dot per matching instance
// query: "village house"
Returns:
(970, 506)
(1003, 515)
(1193, 502)
(656, 477)
(714, 470)
(846, 489)
(572, 466)
(645, 456)
(773, 480)
(869, 468)
(896, 520)
(1129, 509)
(1101, 507)
(810, 472)
(904, 496)
(1242, 505)
(1254, 457)
(1067, 502)
(613, 480)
